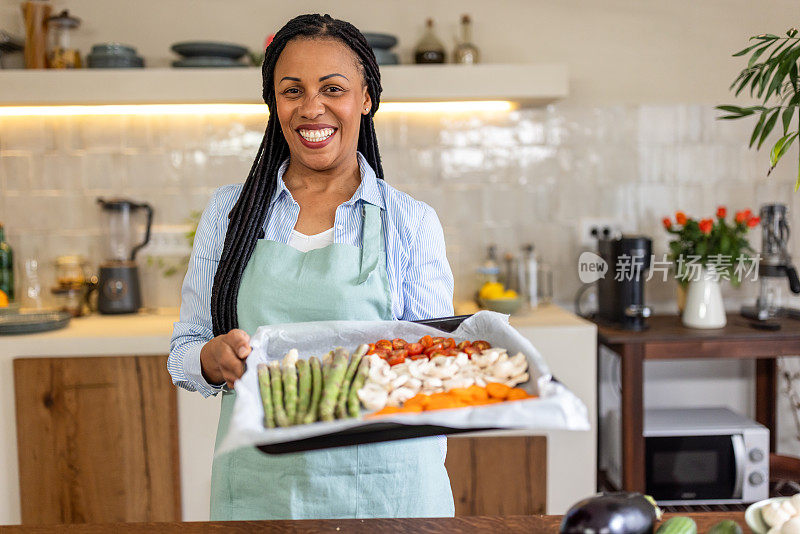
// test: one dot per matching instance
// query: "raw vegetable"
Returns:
(316, 390)
(355, 359)
(457, 398)
(353, 406)
(728, 526)
(290, 384)
(303, 390)
(678, 525)
(331, 385)
(611, 513)
(266, 395)
(277, 393)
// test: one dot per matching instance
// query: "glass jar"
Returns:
(70, 272)
(60, 53)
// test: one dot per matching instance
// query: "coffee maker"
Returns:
(621, 291)
(118, 277)
(775, 265)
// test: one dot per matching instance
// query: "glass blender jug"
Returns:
(118, 277)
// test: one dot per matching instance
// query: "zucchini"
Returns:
(728, 526)
(678, 525)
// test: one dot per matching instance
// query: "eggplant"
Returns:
(612, 513)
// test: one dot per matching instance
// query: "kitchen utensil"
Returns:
(61, 54)
(621, 290)
(383, 41)
(752, 516)
(114, 62)
(35, 13)
(118, 283)
(29, 323)
(116, 49)
(207, 62)
(209, 49)
(774, 265)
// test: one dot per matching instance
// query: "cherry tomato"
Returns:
(435, 346)
(450, 352)
(435, 353)
(417, 356)
(399, 343)
(383, 353)
(481, 345)
(384, 344)
(415, 348)
(469, 351)
(371, 349)
(426, 341)
(464, 344)
(449, 343)
(438, 340)
(394, 360)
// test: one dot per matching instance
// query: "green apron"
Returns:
(403, 478)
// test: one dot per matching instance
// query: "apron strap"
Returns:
(371, 240)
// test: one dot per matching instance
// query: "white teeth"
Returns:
(316, 135)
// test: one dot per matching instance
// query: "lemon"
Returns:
(3, 299)
(492, 290)
(509, 294)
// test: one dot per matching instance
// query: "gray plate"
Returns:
(29, 323)
(105, 61)
(380, 40)
(113, 49)
(208, 49)
(206, 62)
(384, 57)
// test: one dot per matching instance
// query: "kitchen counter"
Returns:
(526, 524)
(566, 342)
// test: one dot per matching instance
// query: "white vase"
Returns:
(704, 306)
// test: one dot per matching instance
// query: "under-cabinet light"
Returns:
(234, 109)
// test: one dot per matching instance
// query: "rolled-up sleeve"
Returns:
(194, 328)
(428, 281)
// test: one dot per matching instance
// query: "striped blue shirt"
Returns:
(420, 278)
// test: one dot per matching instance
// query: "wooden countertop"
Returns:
(478, 524)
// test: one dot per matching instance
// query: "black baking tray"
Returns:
(377, 431)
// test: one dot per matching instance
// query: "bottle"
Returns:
(531, 269)
(490, 270)
(429, 49)
(466, 52)
(6, 266)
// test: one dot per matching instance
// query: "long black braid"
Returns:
(250, 211)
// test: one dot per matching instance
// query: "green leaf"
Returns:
(731, 109)
(756, 55)
(746, 50)
(768, 127)
(786, 117)
(757, 129)
(780, 148)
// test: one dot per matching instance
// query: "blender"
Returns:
(118, 277)
(775, 267)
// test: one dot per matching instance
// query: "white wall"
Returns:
(618, 51)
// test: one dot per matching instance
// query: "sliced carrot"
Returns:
(497, 390)
(517, 394)
(420, 399)
(462, 394)
(478, 393)
(414, 408)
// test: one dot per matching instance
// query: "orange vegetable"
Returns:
(478, 393)
(418, 400)
(517, 394)
(497, 390)
(462, 394)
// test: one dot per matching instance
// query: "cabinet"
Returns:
(97, 440)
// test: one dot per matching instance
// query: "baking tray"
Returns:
(31, 323)
(378, 431)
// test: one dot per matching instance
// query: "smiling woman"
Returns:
(314, 234)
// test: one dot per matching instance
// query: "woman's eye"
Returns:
(332, 89)
(291, 91)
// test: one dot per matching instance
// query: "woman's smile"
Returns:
(315, 135)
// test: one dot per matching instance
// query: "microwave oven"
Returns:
(696, 456)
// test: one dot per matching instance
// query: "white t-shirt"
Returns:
(304, 243)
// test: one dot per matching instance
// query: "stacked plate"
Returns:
(113, 56)
(205, 54)
(380, 44)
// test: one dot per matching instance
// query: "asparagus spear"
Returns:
(277, 393)
(355, 359)
(303, 390)
(327, 362)
(331, 385)
(316, 390)
(266, 395)
(353, 405)
(290, 384)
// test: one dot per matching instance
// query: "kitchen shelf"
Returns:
(525, 84)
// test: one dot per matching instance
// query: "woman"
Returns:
(313, 234)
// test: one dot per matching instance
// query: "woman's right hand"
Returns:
(222, 358)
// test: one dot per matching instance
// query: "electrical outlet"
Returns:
(168, 240)
(590, 229)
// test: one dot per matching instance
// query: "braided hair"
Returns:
(250, 211)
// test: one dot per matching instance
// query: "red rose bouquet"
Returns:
(719, 243)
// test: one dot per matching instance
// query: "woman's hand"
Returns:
(222, 358)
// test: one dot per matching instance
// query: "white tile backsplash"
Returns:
(508, 178)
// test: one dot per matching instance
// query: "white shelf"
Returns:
(526, 84)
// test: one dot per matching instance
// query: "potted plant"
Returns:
(771, 76)
(703, 253)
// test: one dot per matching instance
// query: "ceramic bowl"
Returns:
(209, 49)
(380, 40)
(752, 515)
(384, 57)
(507, 306)
(112, 49)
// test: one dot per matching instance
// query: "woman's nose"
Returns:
(311, 107)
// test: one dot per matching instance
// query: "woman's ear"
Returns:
(367, 107)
